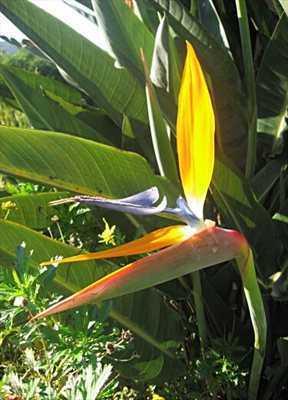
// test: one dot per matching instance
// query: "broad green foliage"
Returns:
(42, 110)
(115, 90)
(76, 164)
(272, 86)
(29, 210)
(107, 128)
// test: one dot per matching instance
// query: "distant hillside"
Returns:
(7, 47)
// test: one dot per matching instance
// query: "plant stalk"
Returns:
(199, 309)
(250, 86)
(258, 318)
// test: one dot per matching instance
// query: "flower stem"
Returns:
(199, 308)
(258, 319)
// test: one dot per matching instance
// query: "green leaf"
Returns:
(249, 85)
(284, 4)
(243, 212)
(230, 103)
(128, 134)
(264, 180)
(165, 73)
(167, 63)
(126, 34)
(43, 112)
(272, 87)
(147, 14)
(209, 17)
(136, 137)
(159, 133)
(151, 318)
(75, 164)
(281, 218)
(6, 95)
(114, 90)
(31, 210)
(57, 87)
(12, 234)
(228, 17)
(262, 16)
(97, 119)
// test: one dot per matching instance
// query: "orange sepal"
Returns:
(210, 246)
(152, 241)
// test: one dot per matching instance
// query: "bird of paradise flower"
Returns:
(191, 246)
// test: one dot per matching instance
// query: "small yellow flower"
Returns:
(108, 235)
(157, 397)
(8, 205)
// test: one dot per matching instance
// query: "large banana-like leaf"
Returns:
(272, 86)
(166, 69)
(159, 132)
(147, 14)
(153, 337)
(69, 279)
(284, 4)
(262, 16)
(6, 96)
(57, 87)
(42, 111)
(209, 17)
(242, 211)
(230, 104)
(76, 164)
(30, 210)
(60, 89)
(125, 33)
(113, 89)
(264, 180)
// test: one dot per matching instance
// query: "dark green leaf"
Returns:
(159, 133)
(147, 14)
(272, 86)
(166, 68)
(264, 180)
(31, 210)
(262, 16)
(209, 17)
(243, 212)
(126, 35)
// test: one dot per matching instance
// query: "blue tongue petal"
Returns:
(146, 198)
(183, 212)
(142, 203)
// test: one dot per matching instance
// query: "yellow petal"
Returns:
(207, 247)
(195, 133)
(152, 241)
